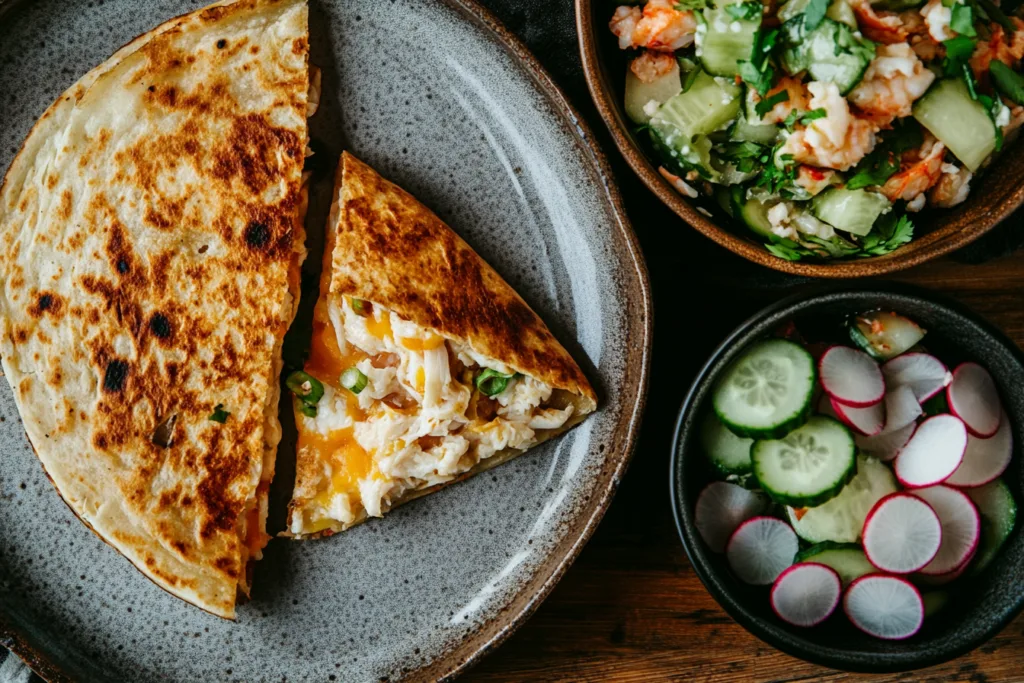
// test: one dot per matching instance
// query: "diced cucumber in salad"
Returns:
(846, 481)
(829, 121)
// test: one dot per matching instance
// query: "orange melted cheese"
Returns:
(379, 328)
(428, 344)
(349, 461)
(327, 361)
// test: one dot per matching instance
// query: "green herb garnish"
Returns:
(691, 5)
(758, 72)
(219, 414)
(796, 116)
(745, 11)
(767, 104)
(491, 382)
(884, 161)
(962, 20)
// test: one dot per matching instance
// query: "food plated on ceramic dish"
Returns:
(152, 235)
(425, 366)
(824, 126)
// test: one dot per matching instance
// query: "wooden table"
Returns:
(631, 607)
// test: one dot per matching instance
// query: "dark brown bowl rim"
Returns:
(922, 249)
(617, 456)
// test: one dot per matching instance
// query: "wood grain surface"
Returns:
(631, 608)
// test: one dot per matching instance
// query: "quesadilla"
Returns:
(425, 367)
(151, 238)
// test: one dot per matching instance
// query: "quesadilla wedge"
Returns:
(150, 246)
(425, 367)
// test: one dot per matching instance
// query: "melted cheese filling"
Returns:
(419, 422)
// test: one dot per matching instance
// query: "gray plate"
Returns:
(443, 101)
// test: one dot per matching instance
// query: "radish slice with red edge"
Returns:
(961, 528)
(761, 549)
(806, 594)
(901, 409)
(887, 445)
(867, 421)
(925, 374)
(933, 453)
(886, 607)
(901, 534)
(851, 377)
(721, 507)
(973, 398)
(985, 460)
(948, 577)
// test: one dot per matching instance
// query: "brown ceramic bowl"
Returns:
(998, 193)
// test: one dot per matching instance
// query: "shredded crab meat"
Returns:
(659, 26)
(893, 81)
(837, 141)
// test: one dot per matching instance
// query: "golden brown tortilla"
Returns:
(150, 244)
(385, 247)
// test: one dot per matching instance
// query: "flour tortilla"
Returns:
(150, 244)
(386, 247)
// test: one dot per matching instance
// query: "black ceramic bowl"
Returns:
(977, 609)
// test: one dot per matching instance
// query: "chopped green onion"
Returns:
(353, 380)
(360, 306)
(491, 382)
(219, 414)
(305, 386)
(307, 410)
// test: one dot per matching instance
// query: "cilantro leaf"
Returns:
(814, 14)
(758, 72)
(884, 161)
(775, 177)
(962, 20)
(733, 151)
(784, 251)
(958, 52)
(796, 116)
(692, 5)
(888, 234)
(745, 11)
(767, 104)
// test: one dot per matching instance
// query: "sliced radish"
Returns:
(973, 398)
(901, 408)
(761, 549)
(887, 445)
(901, 534)
(948, 577)
(933, 453)
(985, 459)
(925, 374)
(867, 421)
(806, 594)
(851, 377)
(887, 607)
(961, 528)
(721, 507)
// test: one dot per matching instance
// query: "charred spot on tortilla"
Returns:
(46, 303)
(163, 435)
(221, 44)
(160, 326)
(115, 376)
(257, 235)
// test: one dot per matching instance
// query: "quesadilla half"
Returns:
(425, 367)
(151, 238)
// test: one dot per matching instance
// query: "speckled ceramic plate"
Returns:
(443, 101)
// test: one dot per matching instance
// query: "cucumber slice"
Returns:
(884, 335)
(842, 518)
(744, 131)
(727, 42)
(704, 108)
(998, 515)
(723, 195)
(639, 95)
(959, 122)
(808, 466)
(853, 211)
(848, 559)
(767, 391)
(831, 52)
(729, 453)
(839, 10)
(754, 213)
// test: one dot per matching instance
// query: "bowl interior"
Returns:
(994, 196)
(976, 609)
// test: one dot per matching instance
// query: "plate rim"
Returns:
(495, 631)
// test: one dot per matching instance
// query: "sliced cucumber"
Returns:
(723, 195)
(831, 53)
(808, 466)
(959, 122)
(884, 335)
(853, 211)
(839, 10)
(729, 453)
(767, 391)
(727, 42)
(848, 559)
(744, 131)
(639, 95)
(754, 213)
(998, 515)
(842, 518)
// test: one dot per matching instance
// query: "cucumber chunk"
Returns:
(884, 335)
(728, 41)
(729, 453)
(998, 515)
(842, 518)
(767, 390)
(853, 211)
(959, 122)
(639, 95)
(754, 213)
(838, 10)
(808, 466)
(848, 559)
(831, 52)
(744, 131)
